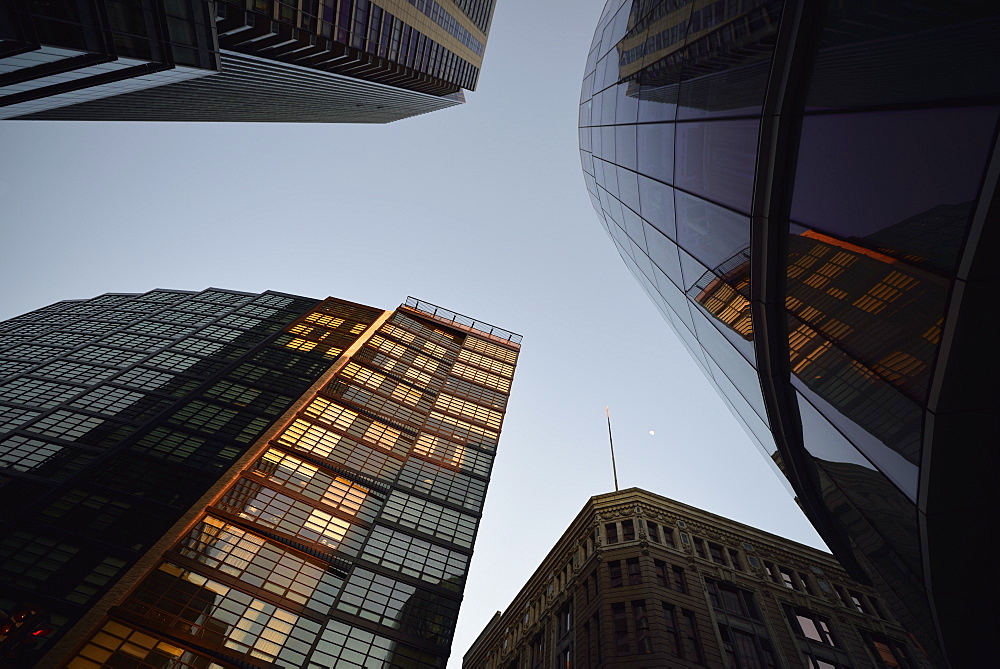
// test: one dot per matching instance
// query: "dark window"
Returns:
(715, 550)
(668, 537)
(858, 600)
(661, 573)
(538, 652)
(787, 578)
(673, 637)
(690, 638)
(734, 557)
(634, 571)
(641, 622)
(699, 548)
(611, 531)
(811, 626)
(615, 573)
(727, 597)
(566, 617)
(654, 532)
(679, 581)
(620, 626)
(888, 653)
(628, 530)
(747, 651)
(804, 580)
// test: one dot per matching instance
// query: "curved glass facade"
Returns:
(806, 191)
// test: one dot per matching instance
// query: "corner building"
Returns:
(223, 479)
(639, 580)
(807, 192)
(335, 61)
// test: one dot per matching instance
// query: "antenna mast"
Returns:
(611, 441)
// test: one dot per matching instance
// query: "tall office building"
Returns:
(356, 61)
(223, 479)
(807, 191)
(639, 580)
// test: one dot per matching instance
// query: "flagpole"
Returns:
(611, 441)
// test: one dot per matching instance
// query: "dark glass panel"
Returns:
(892, 176)
(656, 150)
(880, 519)
(628, 188)
(725, 71)
(608, 104)
(625, 146)
(634, 227)
(709, 232)
(627, 110)
(858, 401)
(892, 53)
(664, 253)
(608, 146)
(738, 370)
(656, 204)
(716, 160)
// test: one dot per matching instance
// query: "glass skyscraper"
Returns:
(806, 190)
(357, 61)
(223, 479)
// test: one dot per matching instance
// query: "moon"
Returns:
(651, 433)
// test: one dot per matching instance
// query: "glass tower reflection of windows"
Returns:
(821, 173)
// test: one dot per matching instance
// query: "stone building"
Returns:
(639, 580)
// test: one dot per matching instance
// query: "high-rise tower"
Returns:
(237, 480)
(357, 61)
(807, 191)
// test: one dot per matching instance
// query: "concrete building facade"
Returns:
(642, 581)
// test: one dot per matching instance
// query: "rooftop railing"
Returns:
(464, 321)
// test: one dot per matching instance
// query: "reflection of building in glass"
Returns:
(224, 479)
(639, 580)
(355, 61)
(806, 191)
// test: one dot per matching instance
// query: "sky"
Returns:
(480, 208)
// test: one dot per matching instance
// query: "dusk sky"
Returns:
(480, 208)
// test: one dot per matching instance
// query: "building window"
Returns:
(611, 531)
(690, 639)
(641, 623)
(538, 652)
(811, 626)
(889, 654)
(858, 601)
(668, 537)
(566, 617)
(804, 579)
(727, 597)
(620, 626)
(772, 572)
(654, 532)
(661, 573)
(615, 573)
(715, 551)
(634, 571)
(816, 662)
(699, 548)
(598, 643)
(680, 582)
(628, 530)
(747, 651)
(734, 558)
(787, 578)
(673, 636)
(565, 660)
